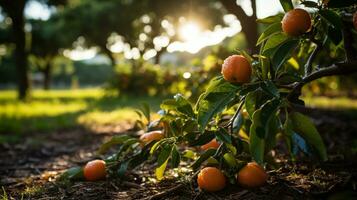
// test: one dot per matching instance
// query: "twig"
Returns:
(335, 69)
(165, 193)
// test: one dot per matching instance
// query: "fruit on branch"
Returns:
(213, 144)
(211, 179)
(252, 175)
(94, 170)
(151, 136)
(236, 69)
(296, 22)
(355, 20)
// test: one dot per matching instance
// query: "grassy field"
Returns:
(58, 109)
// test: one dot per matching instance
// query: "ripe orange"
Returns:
(355, 20)
(151, 136)
(296, 22)
(252, 175)
(213, 144)
(94, 170)
(211, 179)
(236, 69)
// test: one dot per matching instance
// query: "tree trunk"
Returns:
(158, 56)
(110, 55)
(20, 51)
(250, 30)
(47, 76)
(249, 24)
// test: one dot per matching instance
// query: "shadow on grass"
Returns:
(59, 113)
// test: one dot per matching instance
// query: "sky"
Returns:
(192, 43)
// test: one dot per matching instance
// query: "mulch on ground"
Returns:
(29, 169)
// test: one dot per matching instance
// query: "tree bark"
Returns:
(110, 55)
(17, 16)
(47, 76)
(158, 56)
(249, 24)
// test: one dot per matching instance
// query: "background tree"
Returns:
(15, 10)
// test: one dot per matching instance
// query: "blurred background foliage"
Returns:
(102, 58)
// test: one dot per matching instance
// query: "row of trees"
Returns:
(96, 21)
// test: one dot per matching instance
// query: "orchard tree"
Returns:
(233, 126)
(15, 10)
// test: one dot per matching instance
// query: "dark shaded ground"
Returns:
(29, 169)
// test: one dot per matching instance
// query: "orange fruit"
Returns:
(211, 179)
(355, 20)
(252, 175)
(296, 22)
(94, 170)
(151, 136)
(213, 144)
(236, 69)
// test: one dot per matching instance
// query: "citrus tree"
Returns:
(253, 105)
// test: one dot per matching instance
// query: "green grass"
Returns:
(331, 103)
(57, 109)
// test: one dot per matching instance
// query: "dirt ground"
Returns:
(29, 169)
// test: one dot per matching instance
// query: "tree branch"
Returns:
(335, 69)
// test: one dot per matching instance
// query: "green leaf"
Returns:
(74, 173)
(288, 133)
(159, 172)
(202, 138)
(164, 154)
(287, 5)
(273, 128)
(259, 129)
(335, 35)
(189, 154)
(217, 96)
(183, 105)
(203, 157)
(304, 127)
(237, 123)
(115, 140)
(175, 157)
(265, 66)
(223, 135)
(141, 156)
(145, 109)
(332, 18)
(218, 84)
(250, 102)
(310, 4)
(168, 104)
(268, 110)
(270, 88)
(156, 146)
(214, 104)
(271, 30)
(271, 19)
(256, 143)
(123, 168)
(283, 53)
(341, 3)
(274, 41)
(230, 159)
